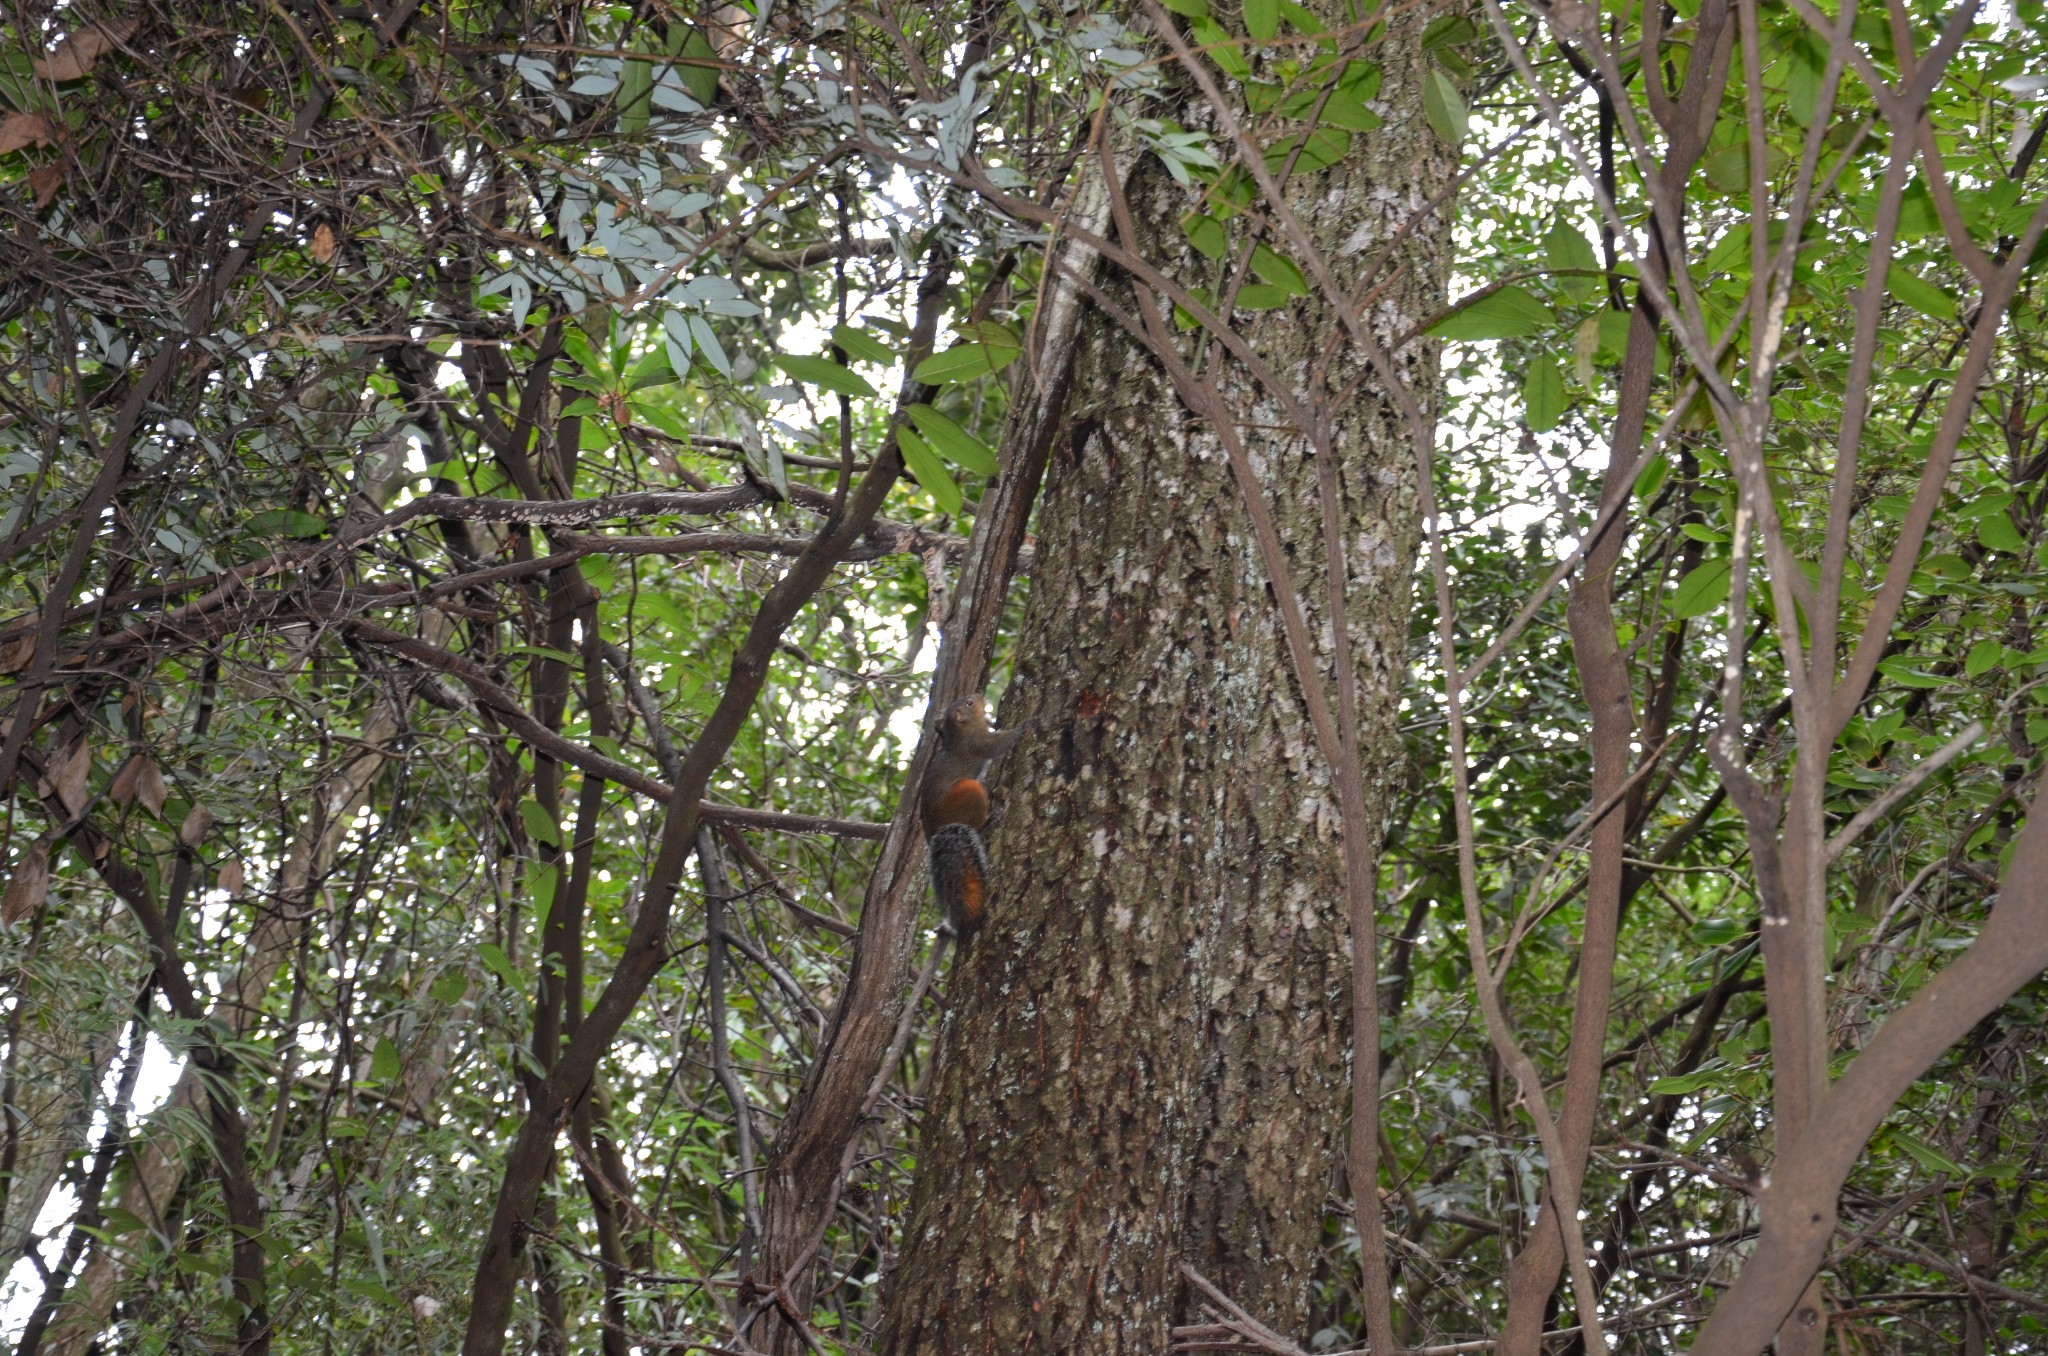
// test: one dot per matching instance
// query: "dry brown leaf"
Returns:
(16, 653)
(18, 131)
(193, 831)
(28, 887)
(68, 779)
(75, 56)
(324, 243)
(231, 879)
(45, 181)
(121, 790)
(150, 790)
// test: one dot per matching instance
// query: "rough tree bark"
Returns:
(1147, 1057)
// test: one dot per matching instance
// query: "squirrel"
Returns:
(953, 805)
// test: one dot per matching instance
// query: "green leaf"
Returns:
(862, 345)
(1565, 248)
(699, 68)
(1984, 656)
(1445, 108)
(929, 470)
(1543, 398)
(1194, 9)
(540, 825)
(582, 405)
(1303, 20)
(952, 441)
(1509, 313)
(370, 1290)
(665, 420)
(1719, 931)
(1918, 293)
(384, 1062)
(1448, 30)
(653, 369)
(545, 880)
(1996, 532)
(1927, 1156)
(498, 963)
(636, 84)
(285, 523)
(117, 1221)
(1346, 110)
(1702, 590)
(1260, 297)
(1279, 270)
(824, 374)
(449, 988)
(1262, 19)
(1320, 149)
(1685, 1083)
(1901, 671)
(1221, 48)
(964, 362)
(1206, 234)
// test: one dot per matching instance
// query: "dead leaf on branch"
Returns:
(19, 131)
(150, 790)
(28, 887)
(324, 243)
(231, 879)
(193, 831)
(121, 790)
(45, 181)
(69, 779)
(74, 57)
(14, 655)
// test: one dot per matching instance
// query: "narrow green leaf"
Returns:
(1543, 397)
(964, 362)
(1445, 108)
(1276, 268)
(1685, 1083)
(1349, 112)
(1194, 9)
(540, 825)
(1262, 19)
(1260, 297)
(1221, 48)
(498, 963)
(862, 345)
(384, 1063)
(653, 369)
(1927, 1156)
(1206, 234)
(929, 470)
(824, 374)
(953, 442)
(1918, 293)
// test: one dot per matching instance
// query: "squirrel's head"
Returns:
(969, 713)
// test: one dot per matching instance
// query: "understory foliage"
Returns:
(407, 411)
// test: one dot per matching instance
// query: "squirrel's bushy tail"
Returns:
(959, 867)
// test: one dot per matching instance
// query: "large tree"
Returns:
(487, 490)
(1148, 1058)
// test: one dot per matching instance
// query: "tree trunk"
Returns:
(1147, 1057)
